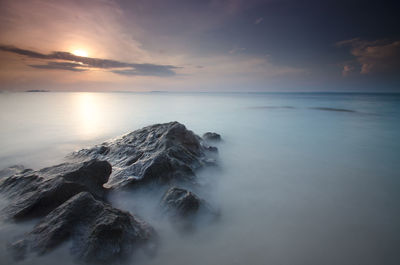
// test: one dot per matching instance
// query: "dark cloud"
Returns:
(27, 53)
(78, 63)
(148, 70)
(75, 67)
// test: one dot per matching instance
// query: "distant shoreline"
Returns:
(211, 92)
(37, 90)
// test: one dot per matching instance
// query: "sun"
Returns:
(81, 53)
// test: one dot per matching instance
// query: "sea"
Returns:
(302, 179)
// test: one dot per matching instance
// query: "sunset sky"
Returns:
(226, 45)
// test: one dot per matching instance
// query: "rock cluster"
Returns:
(71, 198)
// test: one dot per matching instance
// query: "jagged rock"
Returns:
(211, 136)
(17, 169)
(185, 207)
(36, 193)
(161, 153)
(99, 233)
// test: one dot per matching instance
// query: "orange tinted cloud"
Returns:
(377, 56)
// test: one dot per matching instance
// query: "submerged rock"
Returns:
(36, 193)
(161, 153)
(98, 232)
(185, 208)
(181, 202)
(211, 136)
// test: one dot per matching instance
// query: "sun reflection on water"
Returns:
(88, 113)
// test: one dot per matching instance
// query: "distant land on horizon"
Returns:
(37, 90)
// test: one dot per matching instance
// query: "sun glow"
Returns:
(81, 53)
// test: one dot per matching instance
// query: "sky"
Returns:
(193, 45)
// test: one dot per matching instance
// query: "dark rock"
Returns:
(210, 148)
(211, 136)
(99, 233)
(181, 202)
(36, 193)
(161, 153)
(185, 208)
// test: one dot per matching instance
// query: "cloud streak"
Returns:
(67, 61)
(75, 67)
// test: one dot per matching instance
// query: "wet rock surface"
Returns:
(99, 233)
(71, 198)
(36, 193)
(160, 154)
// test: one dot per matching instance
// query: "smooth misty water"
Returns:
(297, 184)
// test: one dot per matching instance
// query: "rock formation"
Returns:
(71, 197)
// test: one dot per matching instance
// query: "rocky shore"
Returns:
(70, 200)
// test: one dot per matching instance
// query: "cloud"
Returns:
(237, 50)
(348, 69)
(75, 67)
(147, 70)
(379, 56)
(67, 61)
(258, 20)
